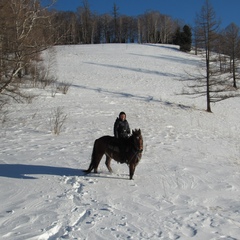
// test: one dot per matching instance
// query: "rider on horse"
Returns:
(121, 126)
(122, 131)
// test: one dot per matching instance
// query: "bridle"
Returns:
(137, 152)
(138, 149)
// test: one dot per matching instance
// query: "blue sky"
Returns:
(227, 11)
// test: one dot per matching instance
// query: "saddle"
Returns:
(119, 146)
(114, 148)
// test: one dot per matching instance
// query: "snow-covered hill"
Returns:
(186, 185)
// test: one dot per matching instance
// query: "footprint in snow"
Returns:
(189, 231)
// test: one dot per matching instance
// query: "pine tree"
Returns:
(177, 37)
(183, 38)
(186, 39)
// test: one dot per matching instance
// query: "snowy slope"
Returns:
(186, 185)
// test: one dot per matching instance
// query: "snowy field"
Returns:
(187, 185)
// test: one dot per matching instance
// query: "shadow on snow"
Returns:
(22, 171)
(135, 69)
(138, 97)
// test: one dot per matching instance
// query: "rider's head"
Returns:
(122, 116)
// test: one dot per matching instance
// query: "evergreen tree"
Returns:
(183, 38)
(177, 37)
(186, 39)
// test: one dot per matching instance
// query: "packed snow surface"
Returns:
(187, 184)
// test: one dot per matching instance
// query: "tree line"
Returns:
(84, 26)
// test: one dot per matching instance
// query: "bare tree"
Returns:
(140, 27)
(65, 28)
(85, 20)
(232, 40)
(213, 84)
(167, 28)
(154, 27)
(116, 33)
(127, 29)
(148, 27)
(106, 20)
(57, 120)
(132, 29)
(24, 35)
(207, 28)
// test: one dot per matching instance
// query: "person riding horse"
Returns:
(121, 126)
(109, 146)
(122, 131)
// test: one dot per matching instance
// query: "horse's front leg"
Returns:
(108, 162)
(131, 170)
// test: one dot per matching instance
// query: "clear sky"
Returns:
(227, 11)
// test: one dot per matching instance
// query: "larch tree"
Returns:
(231, 49)
(211, 83)
(208, 27)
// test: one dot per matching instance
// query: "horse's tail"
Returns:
(93, 157)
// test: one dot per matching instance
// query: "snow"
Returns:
(185, 187)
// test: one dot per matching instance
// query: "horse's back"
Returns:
(104, 138)
(104, 141)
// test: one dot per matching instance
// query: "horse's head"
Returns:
(137, 140)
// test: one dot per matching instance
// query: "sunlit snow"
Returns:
(186, 185)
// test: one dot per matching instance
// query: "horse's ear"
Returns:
(132, 131)
(139, 131)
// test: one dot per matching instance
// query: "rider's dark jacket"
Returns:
(121, 128)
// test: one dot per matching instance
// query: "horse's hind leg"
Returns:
(96, 162)
(108, 162)
(89, 169)
(96, 158)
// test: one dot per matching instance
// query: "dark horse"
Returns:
(127, 150)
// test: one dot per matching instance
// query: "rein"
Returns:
(136, 154)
